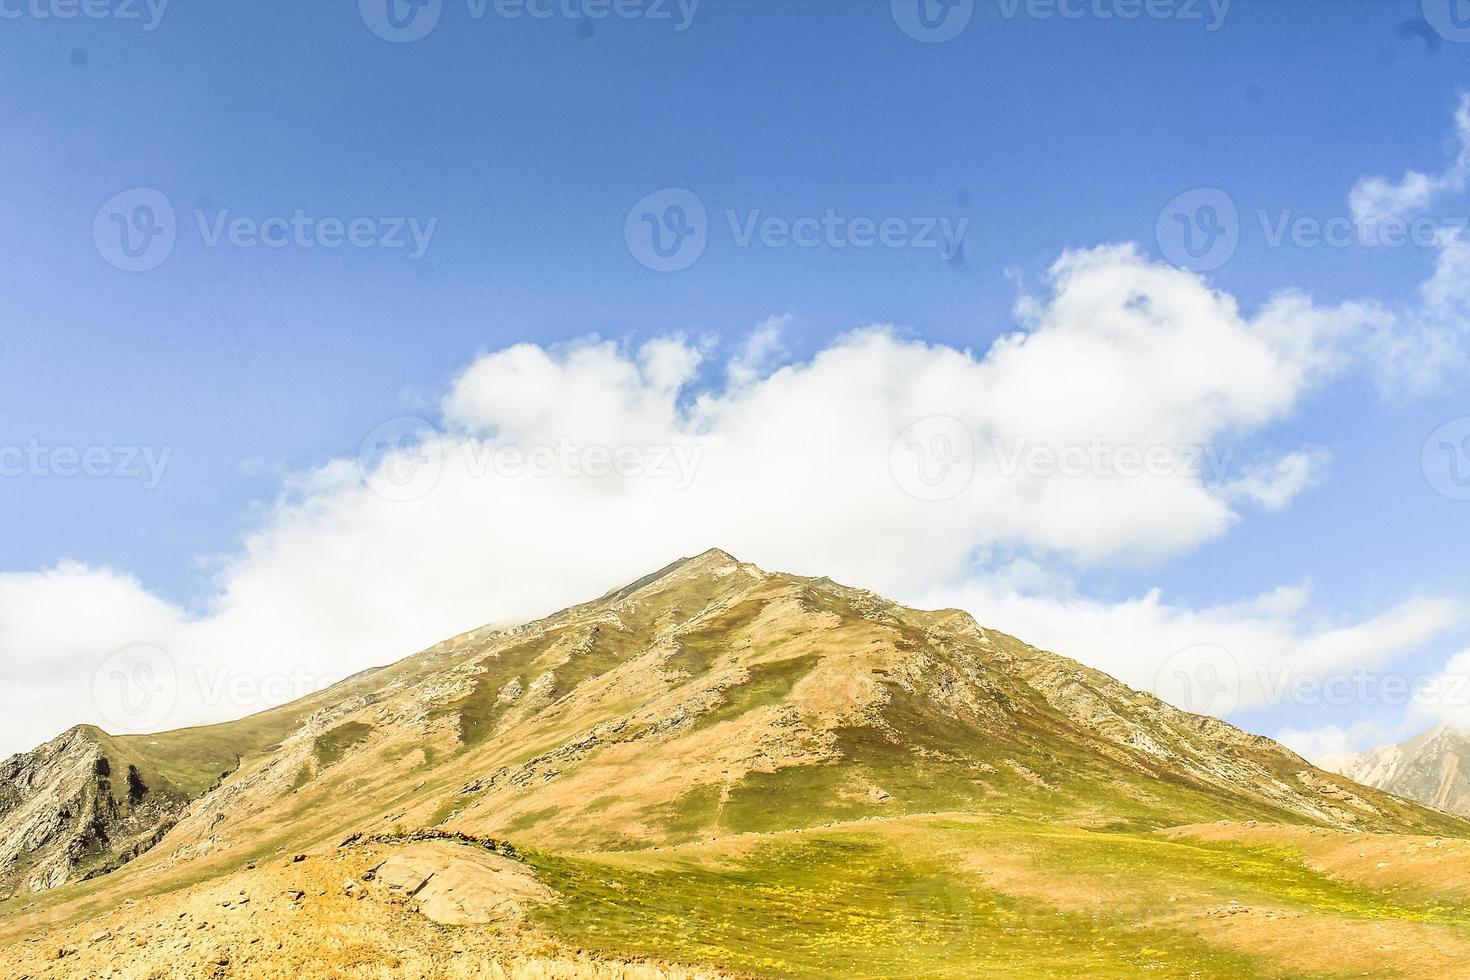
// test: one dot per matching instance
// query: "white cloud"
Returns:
(1378, 199)
(1445, 697)
(759, 353)
(1126, 423)
(1416, 348)
(1326, 745)
(1276, 484)
(57, 627)
(1257, 650)
(1440, 698)
(557, 473)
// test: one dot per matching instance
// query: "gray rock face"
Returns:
(72, 809)
(1431, 768)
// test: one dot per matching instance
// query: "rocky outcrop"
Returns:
(72, 809)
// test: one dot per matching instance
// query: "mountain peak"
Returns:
(707, 558)
(706, 562)
(1433, 767)
(706, 701)
(717, 697)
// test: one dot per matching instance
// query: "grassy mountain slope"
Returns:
(720, 735)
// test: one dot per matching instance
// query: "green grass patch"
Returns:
(1243, 872)
(333, 745)
(769, 684)
(840, 904)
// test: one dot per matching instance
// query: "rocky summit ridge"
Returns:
(706, 699)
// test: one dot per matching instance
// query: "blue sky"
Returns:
(527, 141)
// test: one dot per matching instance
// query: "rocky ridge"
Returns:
(711, 697)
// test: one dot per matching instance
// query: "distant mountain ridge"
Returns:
(1433, 768)
(708, 698)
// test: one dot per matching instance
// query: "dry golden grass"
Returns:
(288, 919)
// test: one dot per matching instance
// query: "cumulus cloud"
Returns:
(1441, 697)
(1444, 698)
(1328, 745)
(1129, 420)
(1277, 483)
(1109, 431)
(1215, 659)
(1375, 200)
(759, 354)
(1416, 348)
(57, 629)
